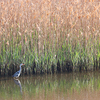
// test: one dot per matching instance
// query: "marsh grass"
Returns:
(41, 33)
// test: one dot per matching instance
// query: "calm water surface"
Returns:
(73, 86)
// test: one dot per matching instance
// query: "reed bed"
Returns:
(49, 35)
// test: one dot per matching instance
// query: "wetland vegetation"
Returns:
(49, 36)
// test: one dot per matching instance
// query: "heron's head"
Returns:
(22, 64)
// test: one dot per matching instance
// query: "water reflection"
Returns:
(71, 86)
(17, 82)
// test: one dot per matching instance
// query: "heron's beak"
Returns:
(23, 64)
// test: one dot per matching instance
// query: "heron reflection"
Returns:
(17, 82)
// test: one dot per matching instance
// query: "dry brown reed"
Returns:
(77, 19)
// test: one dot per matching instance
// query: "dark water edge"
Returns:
(65, 67)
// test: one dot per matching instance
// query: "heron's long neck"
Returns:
(20, 67)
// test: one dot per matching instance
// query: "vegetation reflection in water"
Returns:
(47, 87)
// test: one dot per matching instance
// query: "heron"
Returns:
(17, 74)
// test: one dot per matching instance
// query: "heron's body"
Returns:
(17, 74)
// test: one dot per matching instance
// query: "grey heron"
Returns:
(17, 74)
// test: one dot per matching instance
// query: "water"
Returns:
(73, 86)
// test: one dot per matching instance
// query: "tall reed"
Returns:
(41, 33)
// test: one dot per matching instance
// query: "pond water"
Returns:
(72, 86)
